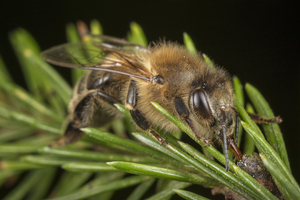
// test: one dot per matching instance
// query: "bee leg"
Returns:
(139, 118)
(183, 111)
(72, 134)
(142, 122)
(82, 115)
(259, 119)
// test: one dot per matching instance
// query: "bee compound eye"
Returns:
(200, 104)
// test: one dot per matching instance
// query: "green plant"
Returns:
(94, 168)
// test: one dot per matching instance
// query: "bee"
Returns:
(133, 75)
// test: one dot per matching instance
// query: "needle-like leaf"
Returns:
(272, 130)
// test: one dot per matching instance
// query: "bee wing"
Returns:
(93, 54)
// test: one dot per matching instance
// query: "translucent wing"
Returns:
(102, 53)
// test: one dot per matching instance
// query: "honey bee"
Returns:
(133, 75)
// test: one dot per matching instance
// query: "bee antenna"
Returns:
(225, 138)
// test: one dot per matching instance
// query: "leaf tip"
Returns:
(234, 77)
(248, 85)
(134, 133)
(44, 149)
(86, 130)
(262, 156)
(154, 104)
(235, 168)
(176, 190)
(110, 163)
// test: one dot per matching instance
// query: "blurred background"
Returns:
(257, 41)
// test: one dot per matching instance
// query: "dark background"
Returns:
(258, 41)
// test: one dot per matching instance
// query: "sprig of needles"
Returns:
(97, 166)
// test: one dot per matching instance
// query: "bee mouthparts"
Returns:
(233, 148)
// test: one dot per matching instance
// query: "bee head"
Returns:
(211, 103)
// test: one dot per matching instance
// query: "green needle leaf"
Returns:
(114, 185)
(19, 148)
(39, 74)
(189, 195)
(72, 35)
(238, 90)
(124, 110)
(87, 167)
(155, 144)
(272, 131)
(127, 144)
(56, 81)
(27, 183)
(141, 189)
(4, 75)
(102, 179)
(220, 157)
(251, 182)
(169, 191)
(70, 182)
(14, 134)
(137, 34)
(249, 146)
(162, 172)
(71, 153)
(244, 116)
(264, 147)
(36, 123)
(217, 172)
(5, 174)
(208, 61)
(28, 120)
(96, 28)
(41, 187)
(280, 177)
(30, 101)
(17, 165)
(46, 160)
(189, 44)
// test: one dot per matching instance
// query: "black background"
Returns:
(258, 41)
